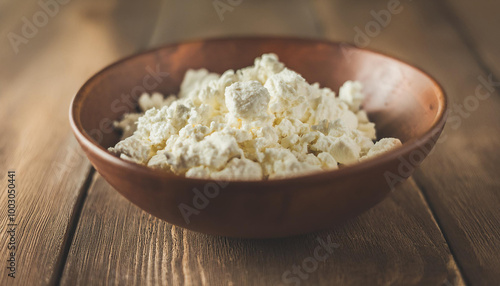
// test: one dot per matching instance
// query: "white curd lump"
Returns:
(260, 122)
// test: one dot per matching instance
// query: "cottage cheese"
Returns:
(260, 122)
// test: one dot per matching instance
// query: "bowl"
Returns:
(403, 101)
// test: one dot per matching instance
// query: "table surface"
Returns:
(441, 227)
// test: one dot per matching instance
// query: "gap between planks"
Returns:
(71, 228)
(436, 219)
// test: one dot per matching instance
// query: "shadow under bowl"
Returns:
(403, 101)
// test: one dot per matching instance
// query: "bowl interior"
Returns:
(403, 101)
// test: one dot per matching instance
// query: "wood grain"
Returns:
(398, 242)
(36, 87)
(460, 177)
(116, 243)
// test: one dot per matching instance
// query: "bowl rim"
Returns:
(90, 144)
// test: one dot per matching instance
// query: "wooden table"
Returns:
(442, 227)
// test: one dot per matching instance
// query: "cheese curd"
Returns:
(260, 122)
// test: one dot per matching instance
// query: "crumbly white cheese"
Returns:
(260, 122)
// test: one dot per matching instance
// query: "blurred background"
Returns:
(48, 48)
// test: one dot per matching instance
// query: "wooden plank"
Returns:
(477, 23)
(398, 242)
(117, 243)
(36, 87)
(460, 178)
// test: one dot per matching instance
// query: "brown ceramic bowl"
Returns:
(402, 100)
